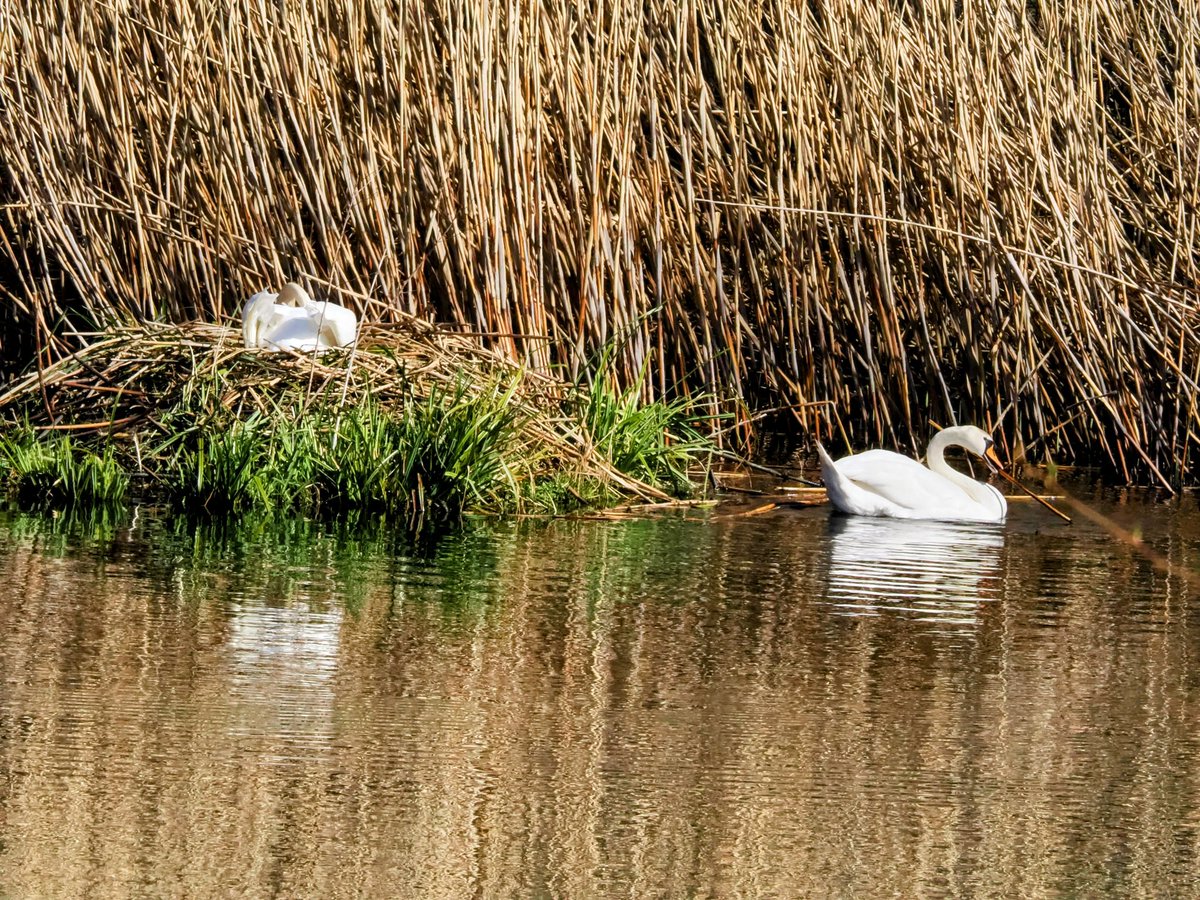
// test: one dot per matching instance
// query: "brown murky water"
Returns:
(786, 705)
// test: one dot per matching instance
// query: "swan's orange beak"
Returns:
(992, 459)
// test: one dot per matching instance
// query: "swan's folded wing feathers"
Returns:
(901, 480)
(294, 333)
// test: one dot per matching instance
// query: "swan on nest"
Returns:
(292, 320)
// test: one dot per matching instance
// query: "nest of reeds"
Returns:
(136, 387)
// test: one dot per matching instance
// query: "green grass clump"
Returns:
(221, 469)
(354, 460)
(463, 450)
(28, 464)
(563, 492)
(653, 442)
(60, 472)
(439, 456)
(86, 477)
(459, 446)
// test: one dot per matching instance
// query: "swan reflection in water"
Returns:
(929, 570)
(283, 663)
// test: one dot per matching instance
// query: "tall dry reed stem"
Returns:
(978, 209)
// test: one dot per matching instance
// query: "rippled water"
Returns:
(786, 705)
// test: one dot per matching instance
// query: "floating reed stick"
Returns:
(1042, 500)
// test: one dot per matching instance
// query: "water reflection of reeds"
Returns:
(586, 709)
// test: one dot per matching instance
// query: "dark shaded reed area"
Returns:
(876, 215)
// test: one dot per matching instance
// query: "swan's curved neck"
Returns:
(293, 295)
(935, 460)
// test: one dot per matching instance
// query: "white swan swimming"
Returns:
(882, 483)
(292, 320)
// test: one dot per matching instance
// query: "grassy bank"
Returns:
(872, 214)
(410, 424)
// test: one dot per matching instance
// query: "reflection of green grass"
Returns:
(81, 527)
(629, 558)
(454, 580)
(206, 568)
(281, 559)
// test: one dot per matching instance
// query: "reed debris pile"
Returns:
(980, 210)
(409, 421)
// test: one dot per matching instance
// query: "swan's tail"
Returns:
(836, 485)
(829, 472)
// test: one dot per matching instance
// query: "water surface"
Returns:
(783, 705)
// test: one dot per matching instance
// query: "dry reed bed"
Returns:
(948, 210)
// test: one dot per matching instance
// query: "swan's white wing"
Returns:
(293, 333)
(849, 497)
(280, 315)
(336, 320)
(902, 481)
(263, 299)
(256, 318)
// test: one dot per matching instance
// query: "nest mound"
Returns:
(118, 386)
